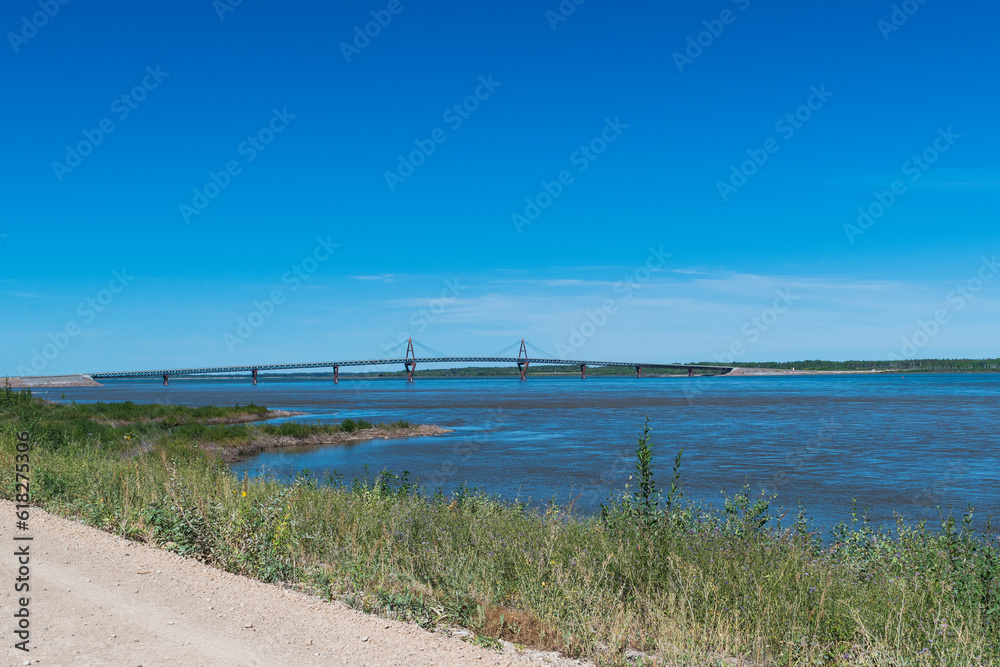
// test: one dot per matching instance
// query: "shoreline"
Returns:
(53, 381)
(234, 453)
(241, 418)
(494, 570)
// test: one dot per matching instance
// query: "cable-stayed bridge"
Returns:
(523, 361)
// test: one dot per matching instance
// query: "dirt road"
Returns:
(97, 599)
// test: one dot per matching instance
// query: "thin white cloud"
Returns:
(384, 278)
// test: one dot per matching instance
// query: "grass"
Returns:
(171, 414)
(678, 583)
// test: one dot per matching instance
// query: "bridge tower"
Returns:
(408, 364)
(336, 373)
(522, 361)
(254, 371)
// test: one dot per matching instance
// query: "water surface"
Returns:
(897, 444)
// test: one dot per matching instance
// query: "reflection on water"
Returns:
(903, 444)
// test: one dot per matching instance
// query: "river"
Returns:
(897, 444)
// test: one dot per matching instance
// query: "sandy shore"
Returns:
(53, 381)
(98, 599)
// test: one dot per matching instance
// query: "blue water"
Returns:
(896, 444)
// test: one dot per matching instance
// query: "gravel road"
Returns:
(98, 599)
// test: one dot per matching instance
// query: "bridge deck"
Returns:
(380, 362)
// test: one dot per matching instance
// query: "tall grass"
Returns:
(678, 583)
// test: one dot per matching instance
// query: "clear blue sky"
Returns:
(309, 118)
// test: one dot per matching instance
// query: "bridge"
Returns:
(410, 362)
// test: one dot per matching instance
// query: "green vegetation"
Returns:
(171, 414)
(681, 583)
(104, 425)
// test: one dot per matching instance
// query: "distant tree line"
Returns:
(910, 365)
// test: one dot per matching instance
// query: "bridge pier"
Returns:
(336, 374)
(410, 361)
(638, 371)
(690, 372)
(165, 383)
(255, 376)
(522, 361)
(583, 371)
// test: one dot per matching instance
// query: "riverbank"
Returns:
(100, 599)
(50, 381)
(231, 453)
(653, 575)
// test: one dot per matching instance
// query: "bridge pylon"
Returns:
(254, 371)
(336, 373)
(583, 371)
(407, 363)
(522, 361)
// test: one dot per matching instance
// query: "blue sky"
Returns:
(739, 138)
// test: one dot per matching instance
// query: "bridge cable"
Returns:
(433, 352)
(539, 351)
(502, 352)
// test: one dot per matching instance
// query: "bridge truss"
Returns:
(410, 362)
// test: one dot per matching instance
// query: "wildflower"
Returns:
(244, 494)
